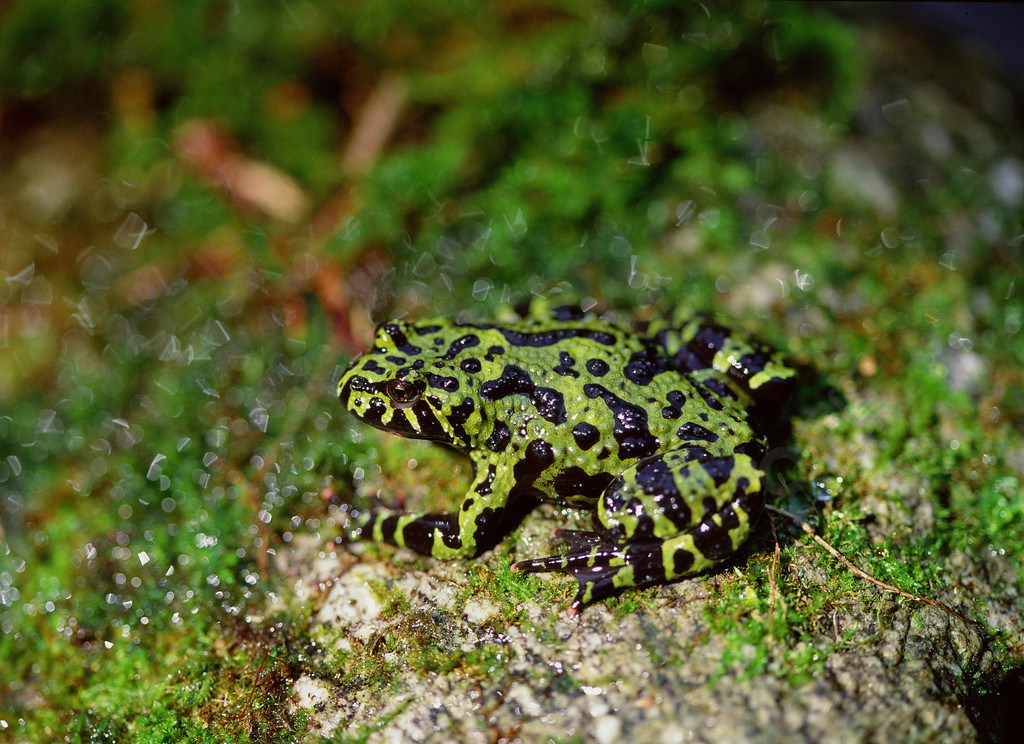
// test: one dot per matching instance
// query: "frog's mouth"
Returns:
(369, 402)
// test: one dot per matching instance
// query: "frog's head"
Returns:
(405, 386)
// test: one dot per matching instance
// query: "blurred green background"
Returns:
(206, 206)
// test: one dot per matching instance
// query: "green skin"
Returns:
(651, 423)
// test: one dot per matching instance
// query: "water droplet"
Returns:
(23, 277)
(131, 232)
(216, 333)
(259, 418)
(155, 467)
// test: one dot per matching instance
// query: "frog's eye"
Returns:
(403, 393)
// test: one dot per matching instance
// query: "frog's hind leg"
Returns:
(692, 523)
(603, 567)
(697, 344)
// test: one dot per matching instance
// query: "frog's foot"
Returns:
(602, 567)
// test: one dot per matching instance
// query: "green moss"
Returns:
(766, 631)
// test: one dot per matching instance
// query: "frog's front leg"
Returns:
(479, 522)
(667, 516)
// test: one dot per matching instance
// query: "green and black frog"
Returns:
(654, 426)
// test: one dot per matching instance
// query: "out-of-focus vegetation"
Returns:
(206, 205)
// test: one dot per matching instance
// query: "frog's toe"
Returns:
(601, 567)
(580, 540)
(574, 560)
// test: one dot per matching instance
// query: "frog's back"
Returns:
(598, 393)
(700, 345)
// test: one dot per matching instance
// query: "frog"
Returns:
(655, 426)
